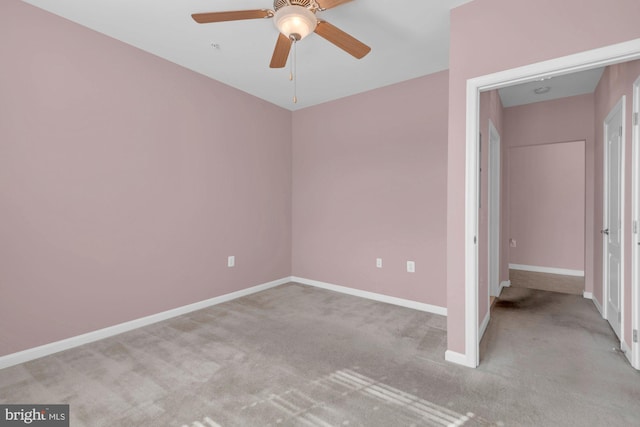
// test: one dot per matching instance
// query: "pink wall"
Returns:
(492, 35)
(369, 175)
(125, 182)
(616, 81)
(561, 120)
(546, 201)
(121, 203)
(490, 109)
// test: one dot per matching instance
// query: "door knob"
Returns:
(605, 231)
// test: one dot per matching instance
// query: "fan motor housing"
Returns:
(278, 4)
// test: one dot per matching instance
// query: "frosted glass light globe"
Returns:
(296, 21)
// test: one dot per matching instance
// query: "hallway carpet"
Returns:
(301, 356)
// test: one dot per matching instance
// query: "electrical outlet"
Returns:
(379, 262)
(411, 266)
(512, 243)
(231, 261)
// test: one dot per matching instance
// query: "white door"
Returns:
(494, 211)
(613, 203)
(635, 284)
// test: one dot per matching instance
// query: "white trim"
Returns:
(635, 217)
(552, 270)
(484, 324)
(65, 344)
(373, 296)
(471, 341)
(626, 351)
(504, 284)
(598, 306)
(587, 295)
(600, 57)
(458, 358)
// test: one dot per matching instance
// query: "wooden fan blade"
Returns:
(328, 4)
(234, 15)
(344, 41)
(281, 52)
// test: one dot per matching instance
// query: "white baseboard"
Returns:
(483, 325)
(597, 304)
(627, 352)
(504, 284)
(55, 347)
(551, 270)
(458, 358)
(373, 296)
(587, 295)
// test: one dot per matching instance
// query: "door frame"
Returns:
(493, 223)
(621, 52)
(618, 107)
(635, 217)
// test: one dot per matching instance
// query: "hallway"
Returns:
(564, 356)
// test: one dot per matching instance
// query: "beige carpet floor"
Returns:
(300, 356)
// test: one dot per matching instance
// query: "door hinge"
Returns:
(619, 317)
(475, 240)
(620, 130)
(635, 118)
(635, 335)
(635, 226)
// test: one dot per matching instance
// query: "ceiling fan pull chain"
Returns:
(291, 65)
(294, 67)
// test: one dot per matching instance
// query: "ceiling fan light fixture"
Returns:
(295, 21)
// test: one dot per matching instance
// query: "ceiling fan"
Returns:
(295, 19)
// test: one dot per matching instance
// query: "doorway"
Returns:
(578, 62)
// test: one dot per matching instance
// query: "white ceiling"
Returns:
(409, 38)
(563, 86)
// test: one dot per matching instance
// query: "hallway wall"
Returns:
(552, 122)
(547, 205)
